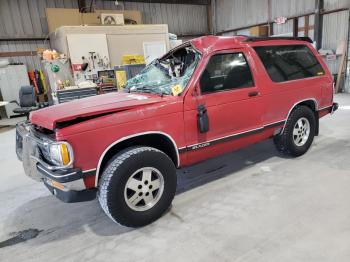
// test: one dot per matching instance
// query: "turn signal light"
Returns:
(64, 154)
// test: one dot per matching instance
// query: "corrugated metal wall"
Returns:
(26, 18)
(181, 19)
(335, 29)
(32, 62)
(239, 13)
(290, 8)
(335, 4)
(285, 29)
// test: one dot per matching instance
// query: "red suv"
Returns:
(204, 98)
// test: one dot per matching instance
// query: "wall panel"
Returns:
(285, 29)
(239, 13)
(32, 62)
(335, 29)
(290, 8)
(335, 4)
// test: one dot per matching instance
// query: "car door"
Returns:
(229, 98)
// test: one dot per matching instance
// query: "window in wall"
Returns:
(224, 72)
(289, 62)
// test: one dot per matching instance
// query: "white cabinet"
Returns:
(12, 78)
(121, 40)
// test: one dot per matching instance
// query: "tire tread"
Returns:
(281, 140)
(108, 173)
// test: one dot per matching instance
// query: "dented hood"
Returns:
(97, 105)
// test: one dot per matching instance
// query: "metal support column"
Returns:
(319, 4)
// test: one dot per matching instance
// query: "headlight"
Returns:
(61, 154)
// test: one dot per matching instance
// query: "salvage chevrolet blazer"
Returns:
(204, 98)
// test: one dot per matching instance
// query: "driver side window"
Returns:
(225, 72)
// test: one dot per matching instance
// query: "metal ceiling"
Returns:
(190, 2)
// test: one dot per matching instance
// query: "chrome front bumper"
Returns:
(29, 152)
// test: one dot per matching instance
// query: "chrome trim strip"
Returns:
(132, 136)
(307, 99)
(228, 136)
(325, 107)
(272, 124)
(209, 142)
(89, 170)
(52, 175)
(50, 167)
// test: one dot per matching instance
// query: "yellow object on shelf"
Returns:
(133, 59)
(43, 81)
(120, 75)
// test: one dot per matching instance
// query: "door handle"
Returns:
(203, 120)
(254, 93)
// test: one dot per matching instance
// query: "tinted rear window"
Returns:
(289, 62)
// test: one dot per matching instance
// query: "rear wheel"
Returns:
(298, 133)
(137, 186)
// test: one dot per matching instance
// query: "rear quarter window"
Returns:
(289, 62)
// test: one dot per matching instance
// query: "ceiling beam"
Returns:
(18, 53)
(39, 38)
(189, 2)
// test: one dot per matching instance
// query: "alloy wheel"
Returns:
(144, 188)
(301, 131)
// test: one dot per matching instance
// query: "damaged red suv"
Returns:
(204, 98)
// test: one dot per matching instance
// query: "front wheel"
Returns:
(137, 186)
(298, 133)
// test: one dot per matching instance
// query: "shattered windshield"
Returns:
(167, 76)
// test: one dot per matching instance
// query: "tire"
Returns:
(125, 179)
(297, 144)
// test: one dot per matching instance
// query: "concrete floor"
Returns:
(6, 122)
(251, 205)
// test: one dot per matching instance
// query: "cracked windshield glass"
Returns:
(167, 76)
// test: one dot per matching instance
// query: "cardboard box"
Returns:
(259, 30)
(57, 17)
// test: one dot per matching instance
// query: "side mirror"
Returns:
(203, 120)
